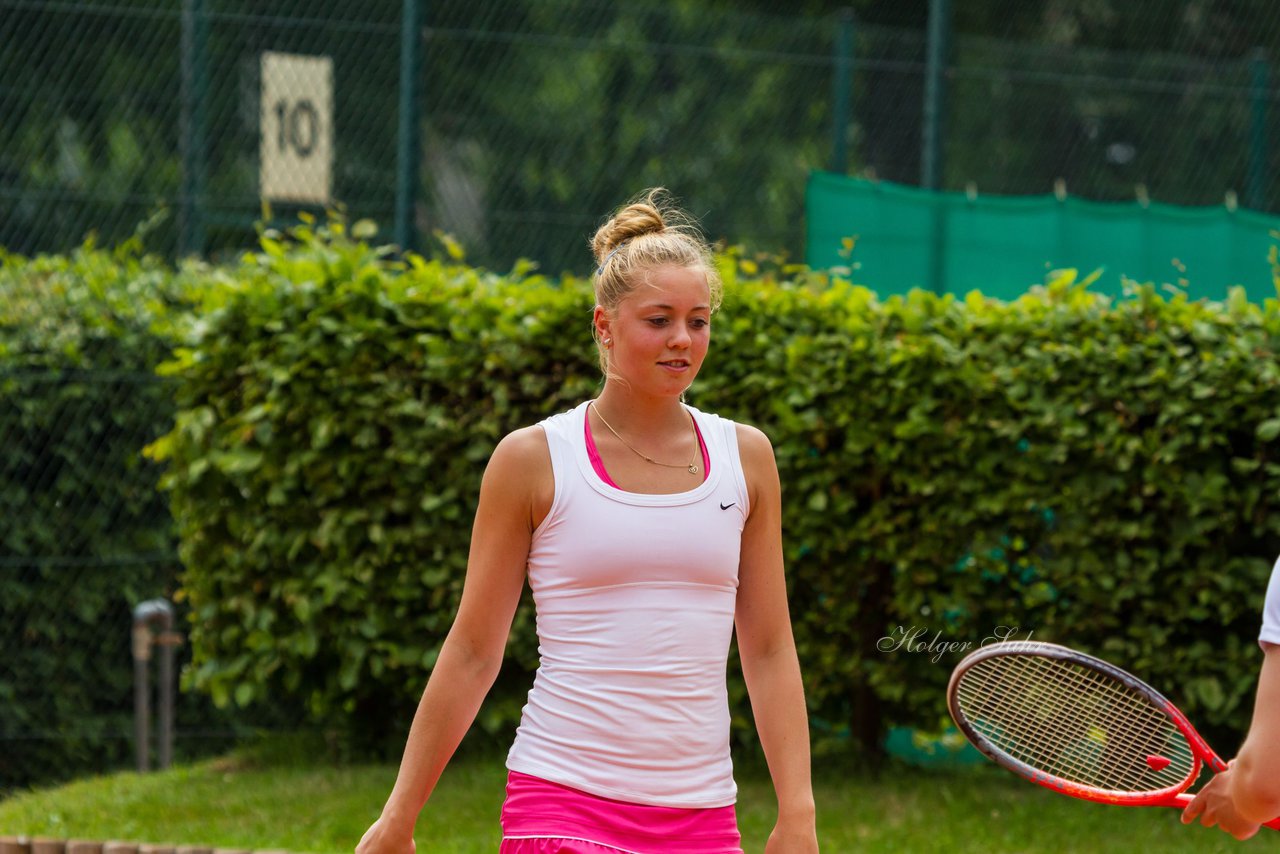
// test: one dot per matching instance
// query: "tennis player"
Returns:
(1248, 793)
(649, 531)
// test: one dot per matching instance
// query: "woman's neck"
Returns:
(641, 414)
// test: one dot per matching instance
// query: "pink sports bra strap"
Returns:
(598, 464)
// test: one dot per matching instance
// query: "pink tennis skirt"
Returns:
(541, 817)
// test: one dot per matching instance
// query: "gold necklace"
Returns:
(692, 467)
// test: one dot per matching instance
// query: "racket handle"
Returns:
(1181, 801)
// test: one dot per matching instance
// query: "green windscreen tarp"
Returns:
(903, 237)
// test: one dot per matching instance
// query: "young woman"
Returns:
(649, 533)
(1248, 793)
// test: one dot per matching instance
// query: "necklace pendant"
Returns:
(693, 468)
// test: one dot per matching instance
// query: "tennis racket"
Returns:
(1078, 725)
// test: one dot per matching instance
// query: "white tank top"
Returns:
(1271, 609)
(635, 598)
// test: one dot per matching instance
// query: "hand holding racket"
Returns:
(1078, 725)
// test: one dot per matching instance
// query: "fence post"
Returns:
(160, 612)
(1255, 194)
(407, 148)
(935, 93)
(842, 86)
(193, 135)
(935, 98)
(141, 692)
(167, 640)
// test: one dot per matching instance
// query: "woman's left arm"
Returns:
(768, 650)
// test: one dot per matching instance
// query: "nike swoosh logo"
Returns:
(727, 506)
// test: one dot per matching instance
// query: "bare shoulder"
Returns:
(520, 471)
(754, 446)
(758, 465)
(524, 450)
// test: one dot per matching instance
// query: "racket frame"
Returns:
(1172, 796)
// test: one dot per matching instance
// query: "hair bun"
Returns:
(642, 216)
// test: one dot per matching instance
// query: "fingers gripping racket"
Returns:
(1078, 725)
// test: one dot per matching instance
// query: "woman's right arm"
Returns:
(1256, 768)
(514, 496)
(1239, 799)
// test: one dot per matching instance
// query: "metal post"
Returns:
(141, 693)
(407, 149)
(931, 167)
(1255, 194)
(842, 86)
(145, 615)
(935, 95)
(192, 130)
(166, 641)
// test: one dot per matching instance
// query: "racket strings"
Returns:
(1092, 738)
(1074, 723)
(1074, 728)
(1080, 740)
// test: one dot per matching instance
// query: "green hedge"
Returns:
(85, 532)
(336, 413)
(1098, 474)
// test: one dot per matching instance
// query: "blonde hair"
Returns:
(646, 233)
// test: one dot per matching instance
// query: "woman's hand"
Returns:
(385, 837)
(1214, 806)
(794, 837)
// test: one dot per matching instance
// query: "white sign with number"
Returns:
(296, 148)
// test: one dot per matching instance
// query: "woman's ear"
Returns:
(601, 323)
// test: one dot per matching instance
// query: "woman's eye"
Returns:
(658, 321)
(701, 323)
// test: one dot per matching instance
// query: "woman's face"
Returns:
(660, 331)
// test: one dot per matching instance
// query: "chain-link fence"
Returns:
(85, 532)
(85, 536)
(112, 110)
(513, 125)
(1112, 125)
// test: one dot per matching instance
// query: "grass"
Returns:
(243, 802)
